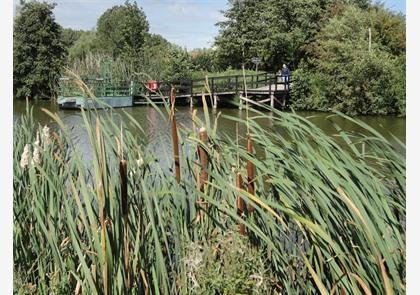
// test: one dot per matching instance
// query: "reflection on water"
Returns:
(157, 128)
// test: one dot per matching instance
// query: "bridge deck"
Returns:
(268, 89)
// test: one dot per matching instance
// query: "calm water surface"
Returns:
(157, 129)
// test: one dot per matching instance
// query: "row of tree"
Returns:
(346, 55)
(326, 44)
(42, 48)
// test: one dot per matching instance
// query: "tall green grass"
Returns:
(328, 218)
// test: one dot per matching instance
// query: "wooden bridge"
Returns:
(256, 89)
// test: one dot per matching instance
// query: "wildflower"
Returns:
(37, 140)
(46, 135)
(36, 156)
(24, 160)
(140, 161)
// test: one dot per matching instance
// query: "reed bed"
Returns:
(327, 218)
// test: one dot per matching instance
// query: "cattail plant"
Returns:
(175, 144)
(250, 171)
(240, 204)
(204, 158)
(124, 209)
(327, 219)
(203, 175)
(101, 195)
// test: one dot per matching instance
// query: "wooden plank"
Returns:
(264, 100)
(251, 101)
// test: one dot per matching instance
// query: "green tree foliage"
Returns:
(344, 75)
(277, 31)
(87, 58)
(240, 37)
(122, 30)
(70, 36)
(86, 44)
(204, 60)
(38, 51)
(155, 56)
(180, 65)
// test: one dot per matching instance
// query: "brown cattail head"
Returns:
(250, 171)
(176, 150)
(172, 100)
(240, 204)
(175, 139)
(124, 207)
(203, 175)
(203, 156)
(123, 182)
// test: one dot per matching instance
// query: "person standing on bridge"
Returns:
(285, 72)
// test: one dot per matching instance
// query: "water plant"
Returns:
(327, 217)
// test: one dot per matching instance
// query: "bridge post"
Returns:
(214, 101)
(240, 101)
(272, 100)
(191, 102)
(131, 88)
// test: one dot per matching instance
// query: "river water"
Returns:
(157, 129)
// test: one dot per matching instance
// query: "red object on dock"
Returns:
(152, 84)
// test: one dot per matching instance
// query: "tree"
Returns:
(345, 75)
(155, 56)
(87, 43)
(38, 51)
(122, 30)
(70, 36)
(204, 60)
(180, 65)
(240, 35)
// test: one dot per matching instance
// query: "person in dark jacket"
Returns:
(285, 72)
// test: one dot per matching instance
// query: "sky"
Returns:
(188, 23)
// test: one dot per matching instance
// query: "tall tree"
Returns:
(122, 30)
(241, 33)
(277, 31)
(38, 51)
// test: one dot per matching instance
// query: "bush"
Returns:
(227, 265)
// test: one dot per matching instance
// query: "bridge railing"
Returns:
(227, 84)
(216, 84)
(99, 87)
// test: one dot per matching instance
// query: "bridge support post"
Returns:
(240, 101)
(191, 102)
(131, 88)
(272, 100)
(215, 101)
